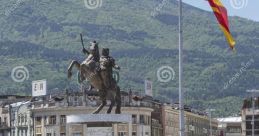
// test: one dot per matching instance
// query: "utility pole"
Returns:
(210, 116)
(181, 94)
(253, 91)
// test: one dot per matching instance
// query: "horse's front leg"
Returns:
(100, 107)
(102, 95)
(118, 101)
(111, 106)
(69, 70)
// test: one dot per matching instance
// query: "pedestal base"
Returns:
(98, 124)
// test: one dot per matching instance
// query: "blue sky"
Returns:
(243, 8)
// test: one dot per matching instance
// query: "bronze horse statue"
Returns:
(90, 70)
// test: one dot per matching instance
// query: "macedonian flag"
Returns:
(222, 16)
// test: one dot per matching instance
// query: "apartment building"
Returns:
(230, 126)
(196, 124)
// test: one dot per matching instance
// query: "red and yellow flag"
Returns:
(222, 16)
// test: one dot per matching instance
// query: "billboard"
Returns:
(39, 88)
(148, 88)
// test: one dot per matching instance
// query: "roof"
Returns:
(16, 96)
(17, 104)
(230, 120)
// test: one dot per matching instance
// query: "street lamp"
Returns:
(210, 111)
(253, 91)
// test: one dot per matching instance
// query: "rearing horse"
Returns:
(89, 70)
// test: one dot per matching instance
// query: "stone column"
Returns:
(115, 129)
(68, 130)
(85, 130)
(138, 121)
(130, 129)
(43, 131)
(16, 123)
(28, 123)
(57, 131)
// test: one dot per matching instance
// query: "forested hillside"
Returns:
(43, 36)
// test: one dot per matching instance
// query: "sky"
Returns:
(244, 8)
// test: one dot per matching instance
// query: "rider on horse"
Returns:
(93, 53)
(107, 63)
(91, 69)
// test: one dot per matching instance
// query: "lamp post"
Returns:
(181, 94)
(253, 91)
(210, 116)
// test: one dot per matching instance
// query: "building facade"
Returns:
(195, 124)
(230, 126)
(6, 104)
(5, 121)
(247, 117)
(48, 116)
(51, 121)
(21, 119)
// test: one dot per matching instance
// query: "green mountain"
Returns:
(43, 36)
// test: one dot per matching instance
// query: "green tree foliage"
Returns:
(43, 36)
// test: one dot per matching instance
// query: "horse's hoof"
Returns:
(117, 112)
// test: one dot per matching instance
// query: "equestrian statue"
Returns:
(98, 71)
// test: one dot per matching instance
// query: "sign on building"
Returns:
(39, 88)
(82, 118)
(99, 131)
(148, 87)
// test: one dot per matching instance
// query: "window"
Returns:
(134, 119)
(141, 119)
(76, 134)
(63, 119)
(22, 118)
(38, 120)
(122, 133)
(48, 134)
(19, 119)
(25, 118)
(5, 120)
(134, 133)
(38, 130)
(234, 129)
(146, 119)
(76, 101)
(52, 120)
(62, 134)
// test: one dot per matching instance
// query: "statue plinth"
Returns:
(99, 118)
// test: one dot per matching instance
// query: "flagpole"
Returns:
(181, 94)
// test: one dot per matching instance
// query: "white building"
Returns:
(21, 119)
(4, 121)
(230, 126)
(50, 118)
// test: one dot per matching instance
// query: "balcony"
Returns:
(4, 126)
